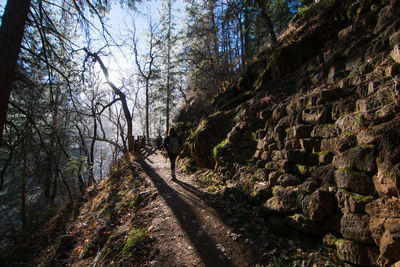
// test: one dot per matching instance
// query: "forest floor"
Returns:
(193, 227)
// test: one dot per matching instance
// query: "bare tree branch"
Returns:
(121, 95)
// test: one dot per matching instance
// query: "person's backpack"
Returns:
(174, 146)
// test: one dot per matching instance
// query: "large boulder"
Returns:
(340, 143)
(352, 252)
(352, 202)
(356, 227)
(359, 158)
(349, 123)
(385, 180)
(310, 185)
(371, 135)
(385, 228)
(354, 181)
(273, 205)
(384, 208)
(319, 205)
(389, 246)
(261, 192)
(284, 200)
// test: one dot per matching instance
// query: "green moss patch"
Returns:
(135, 235)
(311, 10)
(218, 147)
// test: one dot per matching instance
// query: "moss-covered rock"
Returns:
(354, 181)
(207, 136)
(352, 202)
(359, 158)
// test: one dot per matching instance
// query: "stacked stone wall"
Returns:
(321, 154)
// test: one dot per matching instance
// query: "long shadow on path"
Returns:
(188, 219)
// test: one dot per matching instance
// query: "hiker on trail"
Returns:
(173, 145)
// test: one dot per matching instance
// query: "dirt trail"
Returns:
(187, 231)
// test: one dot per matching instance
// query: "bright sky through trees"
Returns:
(120, 22)
(115, 42)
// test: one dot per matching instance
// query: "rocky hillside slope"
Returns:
(311, 130)
(107, 227)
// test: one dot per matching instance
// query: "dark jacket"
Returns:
(166, 142)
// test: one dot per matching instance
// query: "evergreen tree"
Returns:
(167, 95)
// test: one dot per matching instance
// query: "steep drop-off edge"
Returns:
(310, 131)
(106, 226)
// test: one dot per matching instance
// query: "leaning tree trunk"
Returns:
(91, 179)
(125, 108)
(11, 33)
